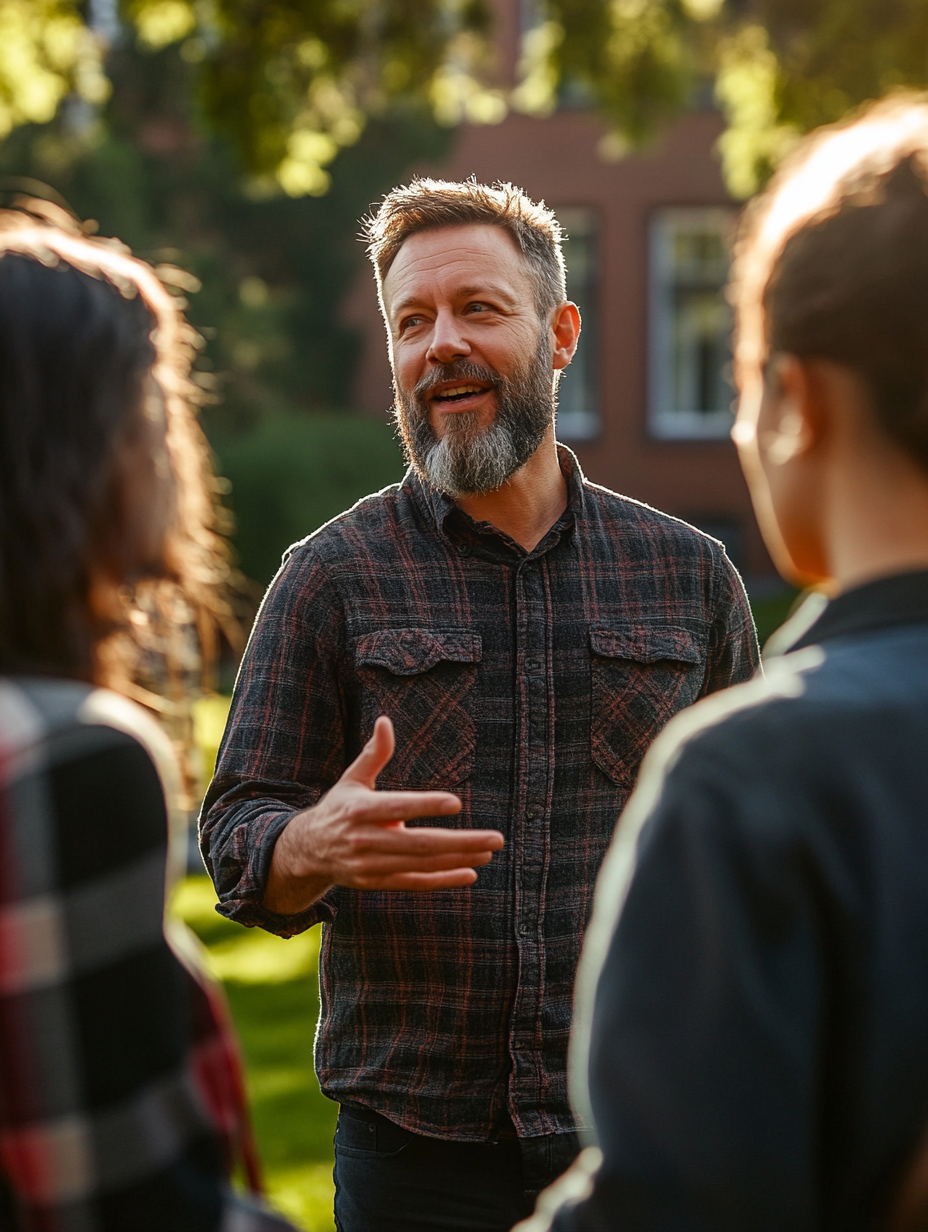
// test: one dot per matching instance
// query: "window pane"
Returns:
(690, 323)
(578, 415)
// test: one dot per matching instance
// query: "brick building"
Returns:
(646, 403)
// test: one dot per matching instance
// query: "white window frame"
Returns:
(666, 421)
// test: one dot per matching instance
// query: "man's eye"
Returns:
(478, 307)
(410, 322)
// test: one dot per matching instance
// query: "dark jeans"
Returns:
(388, 1179)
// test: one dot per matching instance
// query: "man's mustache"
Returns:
(458, 370)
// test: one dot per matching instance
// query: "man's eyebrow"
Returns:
(477, 291)
(488, 291)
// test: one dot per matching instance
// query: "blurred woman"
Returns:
(121, 1106)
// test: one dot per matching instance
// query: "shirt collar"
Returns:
(887, 602)
(452, 522)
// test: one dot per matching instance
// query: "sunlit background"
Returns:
(244, 143)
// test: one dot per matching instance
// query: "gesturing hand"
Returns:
(357, 837)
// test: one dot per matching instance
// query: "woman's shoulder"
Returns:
(87, 769)
(64, 720)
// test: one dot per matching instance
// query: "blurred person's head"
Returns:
(830, 286)
(106, 513)
(472, 286)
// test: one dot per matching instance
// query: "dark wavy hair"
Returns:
(832, 262)
(95, 356)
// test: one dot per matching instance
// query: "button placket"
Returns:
(532, 649)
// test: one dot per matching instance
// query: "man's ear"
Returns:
(565, 326)
(792, 419)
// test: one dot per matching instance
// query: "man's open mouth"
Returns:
(458, 393)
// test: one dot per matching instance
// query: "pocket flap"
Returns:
(406, 652)
(647, 643)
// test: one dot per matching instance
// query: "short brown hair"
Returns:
(428, 205)
(832, 262)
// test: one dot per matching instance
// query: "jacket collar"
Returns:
(883, 604)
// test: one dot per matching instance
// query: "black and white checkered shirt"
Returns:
(120, 1102)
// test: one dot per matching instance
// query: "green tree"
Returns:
(778, 67)
(292, 82)
(267, 277)
(46, 53)
(273, 269)
(209, 154)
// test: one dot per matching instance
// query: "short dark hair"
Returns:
(427, 205)
(83, 326)
(832, 262)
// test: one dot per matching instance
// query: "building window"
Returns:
(691, 394)
(578, 414)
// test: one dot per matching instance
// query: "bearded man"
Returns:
(508, 639)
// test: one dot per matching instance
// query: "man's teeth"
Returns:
(457, 390)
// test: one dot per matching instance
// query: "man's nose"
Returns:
(448, 341)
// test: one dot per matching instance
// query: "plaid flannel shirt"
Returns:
(529, 683)
(121, 1105)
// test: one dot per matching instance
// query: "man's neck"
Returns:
(529, 503)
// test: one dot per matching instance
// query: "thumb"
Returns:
(374, 756)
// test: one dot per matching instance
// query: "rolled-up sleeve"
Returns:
(284, 743)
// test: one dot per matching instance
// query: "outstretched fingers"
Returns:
(365, 843)
(428, 841)
(385, 806)
(387, 865)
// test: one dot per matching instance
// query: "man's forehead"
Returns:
(470, 253)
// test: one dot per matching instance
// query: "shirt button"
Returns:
(462, 548)
(523, 930)
(533, 812)
(519, 1045)
(533, 665)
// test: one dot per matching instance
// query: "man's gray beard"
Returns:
(468, 459)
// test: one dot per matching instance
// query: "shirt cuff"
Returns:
(253, 915)
(246, 907)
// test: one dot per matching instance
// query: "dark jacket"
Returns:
(757, 1049)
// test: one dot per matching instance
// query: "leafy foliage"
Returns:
(46, 52)
(291, 474)
(278, 359)
(790, 65)
(778, 67)
(293, 82)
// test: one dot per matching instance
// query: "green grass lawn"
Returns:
(273, 993)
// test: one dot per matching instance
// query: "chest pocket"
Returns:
(422, 679)
(642, 675)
